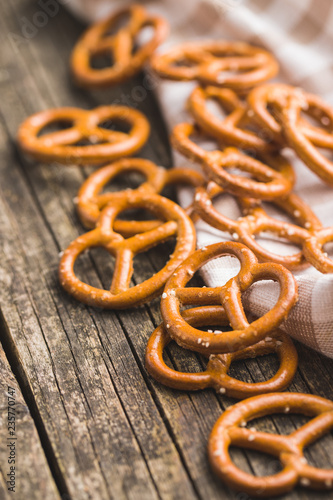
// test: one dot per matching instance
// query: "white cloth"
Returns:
(300, 35)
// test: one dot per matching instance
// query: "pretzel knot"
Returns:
(177, 225)
(268, 183)
(127, 59)
(91, 200)
(216, 373)
(232, 129)
(64, 146)
(229, 295)
(236, 65)
(288, 449)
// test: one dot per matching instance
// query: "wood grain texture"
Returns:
(108, 430)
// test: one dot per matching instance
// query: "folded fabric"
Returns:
(300, 34)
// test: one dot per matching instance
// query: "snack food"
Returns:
(206, 61)
(127, 59)
(231, 130)
(272, 179)
(91, 200)
(64, 146)
(121, 295)
(227, 431)
(229, 295)
(216, 372)
(286, 121)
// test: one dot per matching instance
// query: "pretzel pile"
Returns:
(261, 119)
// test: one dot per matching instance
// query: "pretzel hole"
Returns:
(326, 152)
(103, 263)
(143, 37)
(319, 453)
(328, 249)
(182, 360)
(227, 205)
(151, 261)
(119, 22)
(276, 244)
(262, 464)
(183, 62)
(317, 118)
(120, 124)
(102, 59)
(215, 108)
(259, 369)
(55, 126)
(126, 180)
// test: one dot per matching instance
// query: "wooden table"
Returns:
(90, 421)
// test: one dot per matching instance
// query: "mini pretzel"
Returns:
(216, 373)
(227, 432)
(91, 201)
(232, 129)
(177, 224)
(105, 144)
(121, 46)
(229, 295)
(303, 146)
(255, 220)
(265, 104)
(206, 62)
(271, 182)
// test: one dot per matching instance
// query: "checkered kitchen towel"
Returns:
(300, 35)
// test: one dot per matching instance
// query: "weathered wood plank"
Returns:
(103, 414)
(21, 453)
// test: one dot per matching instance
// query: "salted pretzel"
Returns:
(265, 104)
(216, 372)
(255, 220)
(232, 129)
(228, 431)
(176, 225)
(210, 62)
(302, 145)
(63, 146)
(127, 58)
(91, 200)
(269, 181)
(244, 333)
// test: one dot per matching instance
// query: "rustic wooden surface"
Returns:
(91, 423)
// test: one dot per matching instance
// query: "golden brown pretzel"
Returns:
(229, 295)
(206, 61)
(228, 431)
(121, 295)
(255, 220)
(91, 200)
(232, 129)
(216, 373)
(269, 181)
(120, 46)
(105, 144)
(302, 145)
(265, 104)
